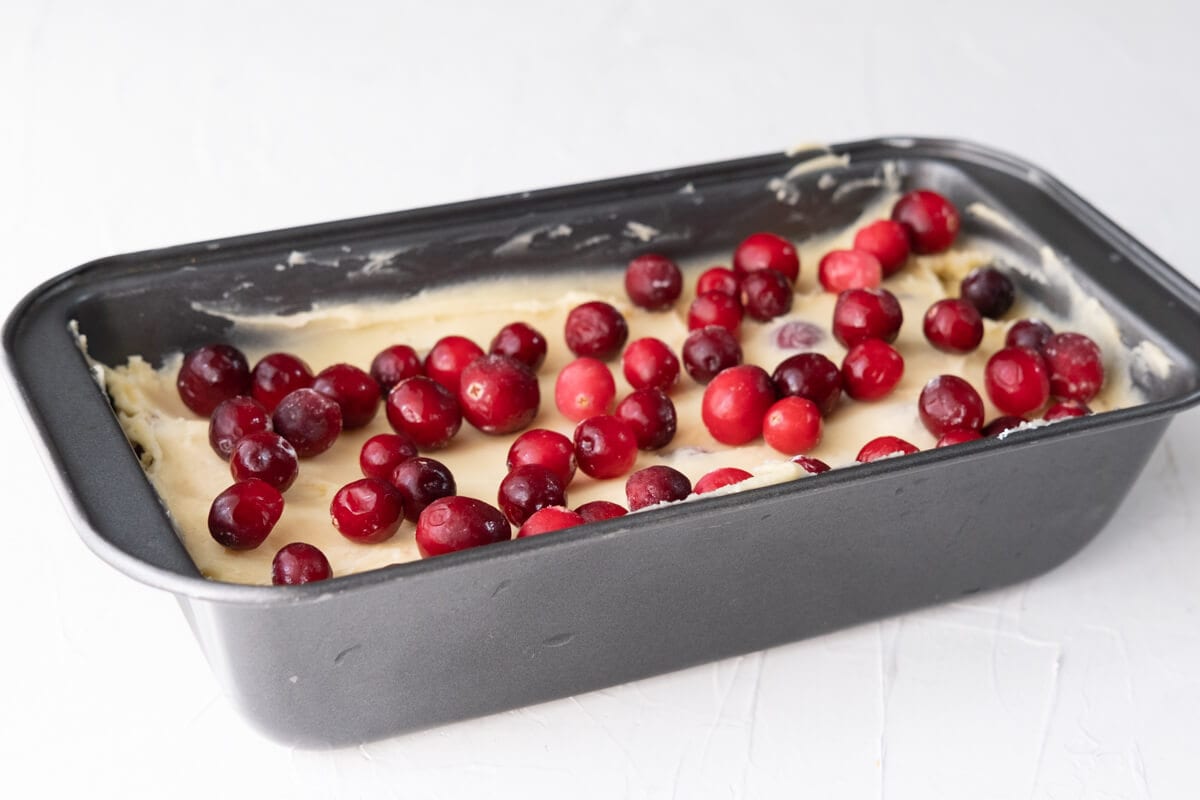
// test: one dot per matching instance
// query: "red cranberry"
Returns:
(1002, 425)
(958, 436)
(840, 270)
(766, 294)
(651, 416)
(551, 518)
(499, 394)
(989, 290)
(458, 523)
(887, 241)
(715, 308)
(425, 410)
(718, 279)
(766, 251)
(298, 563)
(596, 329)
(653, 485)
(884, 447)
(871, 370)
(653, 282)
(277, 375)
(1066, 410)
(735, 402)
(600, 510)
(720, 478)
(448, 358)
(1028, 333)
(798, 335)
(211, 374)
(266, 456)
(813, 466)
(367, 510)
(605, 446)
(649, 364)
(930, 220)
(309, 420)
(708, 351)
(948, 402)
(584, 388)
(353, 390)
(547, 449)
(242, 516)
(233, 419)
(420, 481)
(394, 364)
(520, 341)
(792, 425)
(953, 326)
(527, 489)
(866, 314)
(381, 453)
(812, 376)
(1016, 380)
(1075, 366)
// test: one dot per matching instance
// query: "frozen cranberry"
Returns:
(233, 419)
(498, 394)
(210, 375)
(600, 510)
(884, 447)
(1075, 366)
(1066, 409)
(277, 375)
(792, 425)
(520, 341)
(353, 390)
(651, 416)
(720, 478)
(715, 308)
(798, 335)
(930, 220)
(605, 446)
(1016, 380)
(528, 488)
(367, 511)
(309, 420)
(1028, 333)
(887, 241)
(420, 481)
(948, 402)
(653, 282)
(953, 326)
(766, 294)
(871, 370)
(649, 364)
(266, 456)
(381, 453)
(653, 485)
(813, 466)
(596, 329)
(866, 314)
(958, 436)
(394, 364)
(448, 358)
(584, 388)
(735, 402)
(1001, 425)
(989, 290)
(708, 351)
(298, 563)
(458, 523)
(425, 410)
(552, 518)
(840, 270)
(547, 449)
(812, 376)
(242, 516)
(766, 251)
(717, 279)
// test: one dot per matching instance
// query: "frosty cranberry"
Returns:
(424, 410)
(1002, 425)
(447, 359)
(708, 351)
(866, 314)
(989, 290)
(458, 523)
(605, 446)
(884, 447)
(953, 326)
(596, 330)
(1016, 380)
(766, 294)
(1075, 366)
(367, 511)
(547, 449)
(651, 416)
(715, 308)
(840, 270)
(355, 392)
(277, 375)
(522, 342)
(653, 282)
(798, 335)
(498, 394)
(210, 375)
(930, 220)
(266, 456)
(383, 452)
(958, 436)
(653, 485)
(1066, 409)
(242, 516)
(811, 376)
(298, 563)
(233, 419)
(735, 402)
(948, 402)
(887, 241)
(720, 478)
(584, 388)
(394, 364)
(546, 520)
(766, 251)
(792, 425)
(600, 510)
(871, 369)
(528, 488)
(717, 279)
(1031, 334)
(813, 466)
(309, 420)
(420, 481)
(649, 364)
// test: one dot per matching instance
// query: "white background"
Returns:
(125, 126)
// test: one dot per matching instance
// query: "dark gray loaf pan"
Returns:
(413, 645)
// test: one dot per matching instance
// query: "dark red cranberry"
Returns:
(651, 416)
(277, 375)
(425, 410)
(242, 516)
(653, 282)
(718, 279)
(649, 364)
(309, 420)
(547, 449)
(792, 425)
(394, 364)
(989, 290)
(520, 341)
(584, 388)
(552, 518)
(298, 563)
(458, 523)
(600, 510)
(498, 394)
(958, 436)
(528, 488)
(596, 329)
(930, 220)
(420, 481)
(233, 419)
(715, 308)
(1031, 334)
(448, 358)
(735, 402)
(381, 453)
(948, 402)
(1066, 409)
(1075, 366)
(367, 510)
(266, 456)
(766, 251)
(813, 466)
(840, 270)
(798, 335)
(866, 314)
(720, 478)
(766, 294)
(884, 447)
(1002, 425)
(871, 369)
(605, 446)
(653, 485)
(708, 351)
(812, 376)
(353, 390)
(887, 241)
(953, 326)
(210, 375)
(1016, 380)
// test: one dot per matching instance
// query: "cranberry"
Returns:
(605, 446)
(720, 478)
(381, 453)
(527, 489)
(958, 436)
(871, 370)
(367, 510)
(1028, 333)
(812, 376)
(600, 510)
(309, 420)
(551, 518)
(584, 388)
(520, 341)
(948, 402)
(798, 335)
(1016, 380)
(930, 220)
(425, 410)
(394, 364)
(650, 414)
(653, 485)
(840, 270)
(735, 402)
(233, 419)
(1001, 425)
(448, 358)
(887, 241)
(884, 447)
(766, 294)
(649, 363)
(266, 456)
(420, 481)
(242, 516)
(718, 279)
(715, 308)
(211, 374)
(596, 329)
(298, 563)
(813, 466)
(792, 425)
(766, 251)
(1066, 410)
(353, 390)
(866, 314)
(547, 449)
(708, 351)
(457, 523)
(277, 375)
(1075, 366)
(653, 282)
(953, 326)
(499, 394)
(989, 290)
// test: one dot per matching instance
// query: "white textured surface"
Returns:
(124, 126)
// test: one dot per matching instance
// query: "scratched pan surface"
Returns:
(413, 645)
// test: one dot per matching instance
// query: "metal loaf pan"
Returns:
(370, 655)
